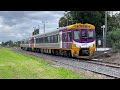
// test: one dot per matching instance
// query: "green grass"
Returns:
(15, 65)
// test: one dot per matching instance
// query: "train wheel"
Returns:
(61, 53)
(69, 54)
(65, 53)
(52, 52)
(56, 52)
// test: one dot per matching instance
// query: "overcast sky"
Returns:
(16, 25)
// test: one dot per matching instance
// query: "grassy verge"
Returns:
(15, 65)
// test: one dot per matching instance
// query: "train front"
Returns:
(84, 42)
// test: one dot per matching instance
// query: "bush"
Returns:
(115, 38)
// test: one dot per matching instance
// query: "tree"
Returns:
(96, 18)
(114, 22)
(62, 22)
(114, 35)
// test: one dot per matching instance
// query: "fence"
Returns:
(99, 42)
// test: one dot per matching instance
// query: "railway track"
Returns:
(114, 65)
(96, 66)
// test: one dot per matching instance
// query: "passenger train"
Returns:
(77, 40)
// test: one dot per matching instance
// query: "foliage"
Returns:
(10, 44)
(115, 38)
(96, 18)
(114, 22)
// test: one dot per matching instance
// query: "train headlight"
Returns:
(75, 45)
(92, 45)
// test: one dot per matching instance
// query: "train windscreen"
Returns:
(90, 34)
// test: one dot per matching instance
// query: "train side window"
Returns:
(69, 36)
(51, 39)
(57, 38)
(43, 39)
(48, 39)
(40, 40)
(36, 40)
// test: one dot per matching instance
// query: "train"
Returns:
(76, 40)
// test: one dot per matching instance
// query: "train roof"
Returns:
(78, 25)
(81, 26)
(74, 26)
(56, 30)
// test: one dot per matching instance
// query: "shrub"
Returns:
(115, 38)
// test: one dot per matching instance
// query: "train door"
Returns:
(64, 40)
(60, 39)
(67, 39)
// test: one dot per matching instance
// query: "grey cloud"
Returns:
(16, 25)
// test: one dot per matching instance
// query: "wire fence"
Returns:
(100, 42)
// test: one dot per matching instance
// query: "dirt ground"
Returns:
(110, 57)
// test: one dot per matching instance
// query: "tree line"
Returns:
(10, 43)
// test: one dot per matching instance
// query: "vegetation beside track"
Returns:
(15, 65)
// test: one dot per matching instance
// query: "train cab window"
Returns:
(84, 35)
(90, 34)
(69, 36)
(76, 35)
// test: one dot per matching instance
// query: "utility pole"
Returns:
(105, 27)
(34, 29)
(39, 28)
